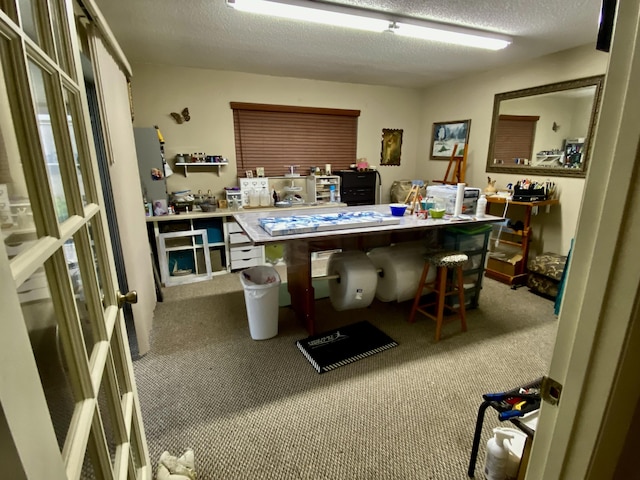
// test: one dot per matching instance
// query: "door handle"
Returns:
(129, 297)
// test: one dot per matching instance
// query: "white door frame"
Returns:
(597, 347)
(84, 309)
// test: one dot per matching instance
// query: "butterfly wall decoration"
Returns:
(181, 117)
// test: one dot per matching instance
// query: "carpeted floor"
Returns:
(258, 410)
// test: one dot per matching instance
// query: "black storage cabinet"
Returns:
(357, 188)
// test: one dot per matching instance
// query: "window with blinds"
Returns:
(277, 136)
(516, 134)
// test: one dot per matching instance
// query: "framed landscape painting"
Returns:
(446, 135)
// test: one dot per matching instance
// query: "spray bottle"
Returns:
(495, 460)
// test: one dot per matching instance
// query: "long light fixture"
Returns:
(372, 21)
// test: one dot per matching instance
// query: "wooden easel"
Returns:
(457, 166)
(413, 198)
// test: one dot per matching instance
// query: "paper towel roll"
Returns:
(356, 286)
(401, 269)
(457, 211)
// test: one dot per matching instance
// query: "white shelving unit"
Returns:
(319, 187)
(548, 160)
(199, 165)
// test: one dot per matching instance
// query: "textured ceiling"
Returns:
(208, 34)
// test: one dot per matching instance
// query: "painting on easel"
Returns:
(445, 135)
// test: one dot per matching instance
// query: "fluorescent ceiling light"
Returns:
(372, 21)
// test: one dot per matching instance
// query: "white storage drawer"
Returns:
(235, 238)
(234, 227)
(246, 253)
(250, 262)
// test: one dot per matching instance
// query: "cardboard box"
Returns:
(502, 266)
(449, 192)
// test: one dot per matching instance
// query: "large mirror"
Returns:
(545, 130)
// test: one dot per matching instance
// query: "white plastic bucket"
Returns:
(261, 286)
(515, 446)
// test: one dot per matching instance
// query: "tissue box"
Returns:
(448, 194)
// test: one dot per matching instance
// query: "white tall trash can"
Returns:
(261, 286)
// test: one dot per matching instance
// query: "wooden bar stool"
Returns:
(443, 261)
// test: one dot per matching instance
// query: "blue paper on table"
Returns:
(276, 226)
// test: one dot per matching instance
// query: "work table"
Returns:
(249, 221)
(300, 246)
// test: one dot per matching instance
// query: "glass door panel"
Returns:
(16, 217)
(28, 20)
(42, 324)
(70, 106)
(40, 86)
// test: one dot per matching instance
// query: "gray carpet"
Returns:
(258, 410)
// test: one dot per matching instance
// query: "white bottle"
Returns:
(495, 460)
(254, 198)
(265, 198)
(482, 206)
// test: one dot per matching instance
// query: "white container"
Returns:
(497, 456)
(449, 192)
(254, 198)
(482, 206)
(265, 197)
(261, 285)
(515, 446)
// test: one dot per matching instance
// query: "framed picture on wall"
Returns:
(446, 135)
(391, 146)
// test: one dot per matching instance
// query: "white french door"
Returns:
(69, 406)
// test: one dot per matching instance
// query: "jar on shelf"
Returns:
(265, 198)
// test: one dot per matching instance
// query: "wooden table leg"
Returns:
(299, 284)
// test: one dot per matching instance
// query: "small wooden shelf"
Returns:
(200, 164)
(502, 270)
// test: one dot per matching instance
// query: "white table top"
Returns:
(249, 222)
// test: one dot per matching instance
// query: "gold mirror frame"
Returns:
(596, 81)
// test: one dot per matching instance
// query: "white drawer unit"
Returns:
(236, 238)
(246, 263)
(234, 227)
(245, 253)
(242, 253)
(246, 256)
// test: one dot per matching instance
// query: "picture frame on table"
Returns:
(259, 172)
(444, 137)
(248, 173)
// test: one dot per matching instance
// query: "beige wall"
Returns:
(160, 90)
(472, 97)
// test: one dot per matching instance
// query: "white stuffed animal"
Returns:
(173, 468)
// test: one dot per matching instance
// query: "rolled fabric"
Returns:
(356, 285)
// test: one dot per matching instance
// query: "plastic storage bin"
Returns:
(261, 286)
